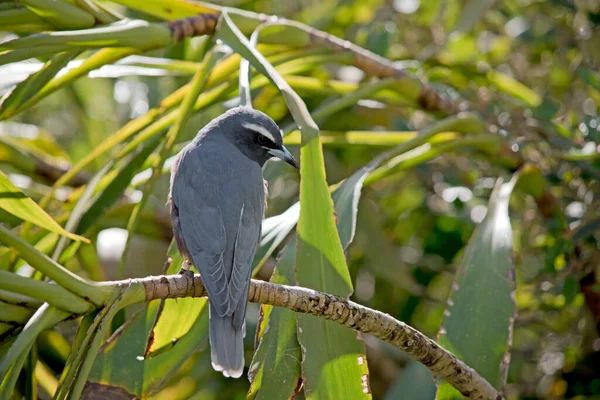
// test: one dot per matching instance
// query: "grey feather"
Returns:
(217, 202)
(244, 250)
(227, 345)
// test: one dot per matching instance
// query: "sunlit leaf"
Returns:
(34, 83)
(514, 88)
(62, 15)
(177, 317)
(32, 138)
(273, 375)
(121, 362)
(170, 9)
(115, 188)
(15, 202)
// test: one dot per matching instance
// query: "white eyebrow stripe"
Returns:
(260, 129)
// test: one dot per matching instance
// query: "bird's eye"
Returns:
(263, 141)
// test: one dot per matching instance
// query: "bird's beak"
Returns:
(285, 155)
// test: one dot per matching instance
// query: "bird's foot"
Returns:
(186, 272)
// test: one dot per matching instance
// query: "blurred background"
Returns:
(532, 67)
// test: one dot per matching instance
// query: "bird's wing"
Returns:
(205, 238)
(245, 247)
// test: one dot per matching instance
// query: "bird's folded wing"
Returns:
(245, 247)
(205, 239)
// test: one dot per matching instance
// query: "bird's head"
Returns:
(255, 134)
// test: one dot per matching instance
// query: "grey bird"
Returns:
(217, 200)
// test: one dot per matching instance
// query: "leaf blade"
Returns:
(18, 204)
(483, 291)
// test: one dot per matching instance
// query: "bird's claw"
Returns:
(186, 272)
(189, 274)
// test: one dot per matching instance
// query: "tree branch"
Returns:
(363, 319)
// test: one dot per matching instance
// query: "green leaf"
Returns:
(345, 355)
(12, 362)
(139, 34)
(114, 190)
(590, 77)
(275, 368)
(16, 203)
(570, 289)
(366, 138)
(22, 20)
(94, 293)
(55, 295)
(69, 75)
(34, 83)
(32, 138)
(346, 197)
(61, 14)
(121, 363)
(13, 313)
(480, 312)
(487, 144)
(78, 211)
(11, 56)
(514, 88)
(177, 317)
(170, 9)
(152, 346)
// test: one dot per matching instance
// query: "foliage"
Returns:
(429, 186)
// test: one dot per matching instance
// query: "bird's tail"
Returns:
(226, 344)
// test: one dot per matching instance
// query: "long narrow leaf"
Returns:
(272, 375)
(29, 87)
(61, 14)
(79, 210)
(45, 317)
(480, 312)
(98, 59)
(114, 190)
(15, 202)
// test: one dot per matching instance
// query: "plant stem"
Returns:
(95, 293)
(56, 295)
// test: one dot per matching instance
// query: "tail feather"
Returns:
(226, 344)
